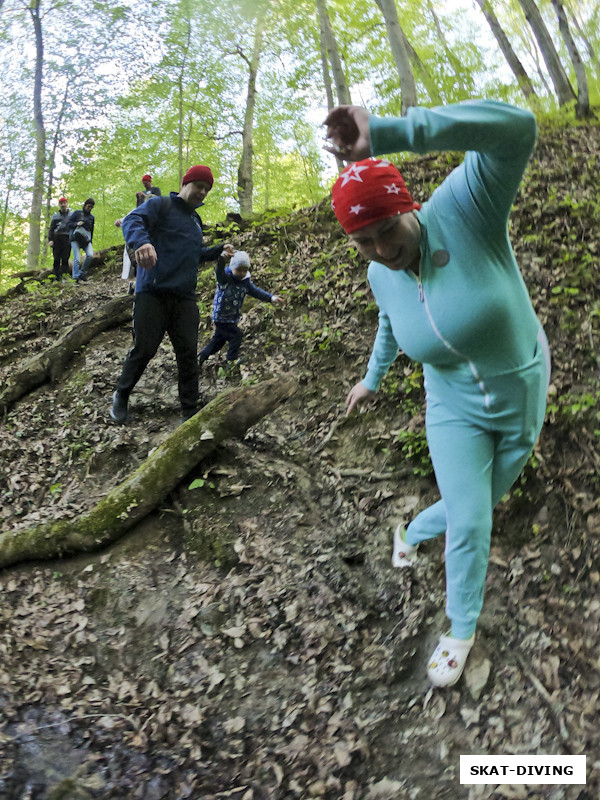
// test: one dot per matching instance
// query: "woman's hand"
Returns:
(348, 133)
(358, 394)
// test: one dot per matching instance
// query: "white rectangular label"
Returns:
(522, 769)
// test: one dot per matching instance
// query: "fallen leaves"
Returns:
(296, 670)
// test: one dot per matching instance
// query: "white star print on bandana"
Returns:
(352, 174)
(357, 209)
(393, 188)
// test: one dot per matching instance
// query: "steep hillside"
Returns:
(250, 639)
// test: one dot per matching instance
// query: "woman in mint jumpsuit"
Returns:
(451, 296)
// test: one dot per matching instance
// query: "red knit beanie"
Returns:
(367, 191)
(198, 173)
(147, 178)
(62, 200)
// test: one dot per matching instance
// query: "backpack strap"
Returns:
(165, 205)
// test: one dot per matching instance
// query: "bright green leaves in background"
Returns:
(143, 86)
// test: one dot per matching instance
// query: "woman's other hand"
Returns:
(357, 395)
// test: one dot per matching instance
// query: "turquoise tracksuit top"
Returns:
(468, 313)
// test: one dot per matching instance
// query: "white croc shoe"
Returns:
(448, 660)
(404, 554)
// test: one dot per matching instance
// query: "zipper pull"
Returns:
(421, 295)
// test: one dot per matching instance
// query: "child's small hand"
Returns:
(228, 250)
(277, 300)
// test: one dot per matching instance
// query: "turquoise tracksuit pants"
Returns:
(477, 453)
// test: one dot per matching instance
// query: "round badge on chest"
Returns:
(440, 258)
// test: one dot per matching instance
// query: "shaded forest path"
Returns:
(250, 638)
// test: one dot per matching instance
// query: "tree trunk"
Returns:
(228, 415)
(397, 39)
(328, 36)
(530, 44)
(582, 109)
(564, 90)
(33, 247)
(245, 169)
(11, 176)
(424, 75)
(523, 79)
(452, 60)
(328, 86)
(51, 169)
(180, 93)
(581, 33)
(50, 364)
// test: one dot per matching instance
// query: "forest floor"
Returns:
(250, 638)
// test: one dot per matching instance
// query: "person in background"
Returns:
(128, 271)
(168, 246)
(233, 284)
(149, 190)
(451, 296)
(81, 227)
(58, 239)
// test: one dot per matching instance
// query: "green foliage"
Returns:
(130, 108)
(575, 407)
(414, 446)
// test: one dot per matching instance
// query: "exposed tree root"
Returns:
(50, 364)
(228, 415)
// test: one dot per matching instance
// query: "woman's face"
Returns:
(394, 242)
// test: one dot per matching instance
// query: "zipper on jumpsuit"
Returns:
(446, 343)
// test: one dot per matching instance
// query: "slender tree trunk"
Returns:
(341, 86)
(180, 93)
(33, 247)
(530, 44)
(5, 216)
(397, 39)
(423, 73)
(452, 60)
(328, 86)
(581, 33)
(564, 90)
(511, 57)
(245, 171)
(267, 176)
(326, 75)
(582, 109)
(51, 169)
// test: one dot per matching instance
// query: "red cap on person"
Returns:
(62, 200)
(147, 178)
(198, 173)
(368, 191)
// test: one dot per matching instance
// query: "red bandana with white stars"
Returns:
(367, 191)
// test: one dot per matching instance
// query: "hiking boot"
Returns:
(118, 411)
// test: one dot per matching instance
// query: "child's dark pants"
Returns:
(224, 332)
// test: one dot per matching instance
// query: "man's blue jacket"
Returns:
(175, 230)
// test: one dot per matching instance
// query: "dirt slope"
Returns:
(250, 640)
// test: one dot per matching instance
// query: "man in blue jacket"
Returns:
(166, 237)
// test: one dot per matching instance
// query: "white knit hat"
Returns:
(239, 259)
